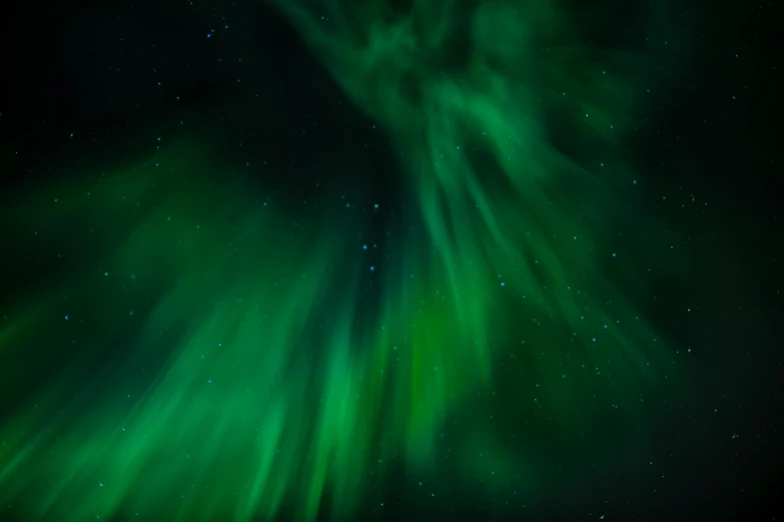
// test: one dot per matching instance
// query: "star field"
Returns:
(390, 260)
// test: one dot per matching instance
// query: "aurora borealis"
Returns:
(415, 260)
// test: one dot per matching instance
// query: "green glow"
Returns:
(250, 380)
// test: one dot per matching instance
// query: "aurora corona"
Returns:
(273, 363)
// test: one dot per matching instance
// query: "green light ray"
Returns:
(252, 382)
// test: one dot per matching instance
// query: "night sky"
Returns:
(337, 260)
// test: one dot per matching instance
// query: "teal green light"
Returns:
(219, 362)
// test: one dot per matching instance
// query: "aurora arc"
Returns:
(275, 387)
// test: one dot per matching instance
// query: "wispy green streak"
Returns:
(223, 369)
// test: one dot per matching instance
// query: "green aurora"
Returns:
(226, 355)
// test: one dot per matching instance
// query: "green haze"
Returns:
(218, 355)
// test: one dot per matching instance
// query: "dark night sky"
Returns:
(94, 91)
